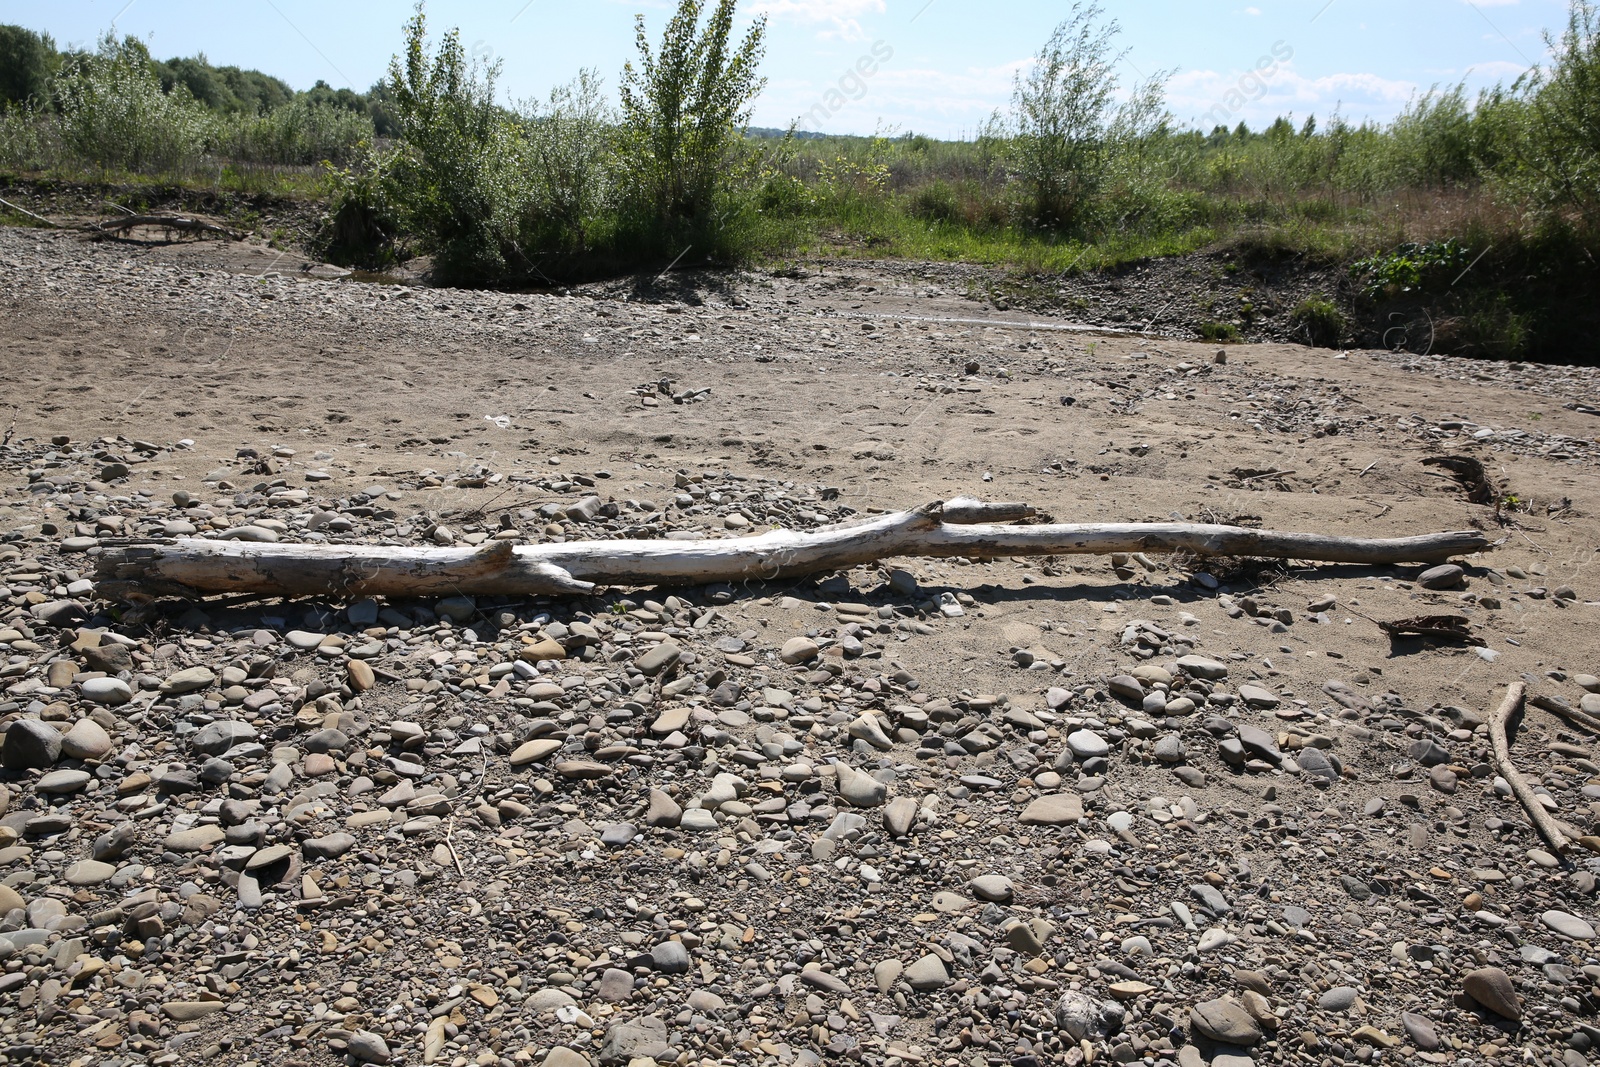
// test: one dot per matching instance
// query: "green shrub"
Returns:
(1321, 322)
(25, 139)
(361, 227)
(683, 108)
(28, 60)
(1411, 268)
(569, 144)
(1218, 332)
(1561, 157)
(295, 134)
(114, 114)
(460, 167)
(1066, 127)
(936, 202)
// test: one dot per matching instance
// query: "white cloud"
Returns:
(1244, 96)
(841, 17)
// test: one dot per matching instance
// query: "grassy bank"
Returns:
(1482, 214)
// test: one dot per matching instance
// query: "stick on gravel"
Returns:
(1508, 770)
(956, 528)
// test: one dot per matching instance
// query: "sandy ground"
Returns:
(877, 387)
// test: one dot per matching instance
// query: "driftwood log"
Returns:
(178, 223)
(956, 528)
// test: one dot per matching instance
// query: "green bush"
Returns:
(460, 167)
(569, 145)
(682, 110)
(115, 116)
(1066, 127)
(362, 225)
(936, 202)
(1561, 158)
(25, 139)
(295, 134)
(1320, 321)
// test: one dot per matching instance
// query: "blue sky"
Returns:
(950, 62)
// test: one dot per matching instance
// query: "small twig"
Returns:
(1267, 474)
(1365, 469)
(31, 215)
(449, 833)
(11, 431)
(119, 207)
(1515, 693)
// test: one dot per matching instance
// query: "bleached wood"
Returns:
(1540, 818)
(936, 530)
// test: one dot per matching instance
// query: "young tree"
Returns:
(457, 162)
(1065, 120)
(683, 107)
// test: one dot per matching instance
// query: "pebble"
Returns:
(1225, 1021)
(87, 740)
(1444, 576)
(113, 692)
(1492, 988)
(1568, 925)
(927, 974)
(30, 745)
(1054, 809)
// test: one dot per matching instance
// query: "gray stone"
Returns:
(62, 782)
(1568, 925)
(1429, 752)
(112, 692)
(993, 887)
(89, 872)
(799, 650)
(900, 816)
(657, 659)
(199, 839)
(1420, 1031)
(369, 1047)
(1444, 576)
(1126, 687)
(87, 740)
(664, 812)
(670, 957)
(1211, 899)
(1200, 667)
(616, 985)
(328, 848)
(1340, 998)
(1315, 761)
(1258, 743)
(215, 738)
(30, 745)
(859, 788)
(1086, 744)
(190, 680)
(1225, 1021)
(457, 608)
(636, 1039)
(1257, 697)
(1492, 988)
(1054, 809)
(927, 974)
